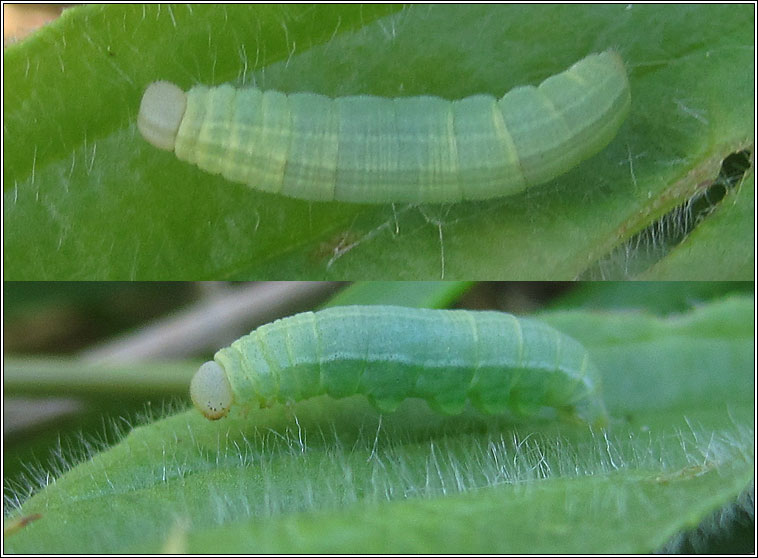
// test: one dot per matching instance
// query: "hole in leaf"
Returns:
(653, 243)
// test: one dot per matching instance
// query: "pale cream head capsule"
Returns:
(160, 114)
(210, 390)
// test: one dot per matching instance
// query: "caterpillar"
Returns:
(498, 362)
(367, 149)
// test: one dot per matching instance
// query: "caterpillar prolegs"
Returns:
(498, 362)
(368, 149)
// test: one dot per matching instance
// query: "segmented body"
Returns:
(498, 362)
(370, 149)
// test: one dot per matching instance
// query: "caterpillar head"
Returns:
(160, 114)
(210, 390)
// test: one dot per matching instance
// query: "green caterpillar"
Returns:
(498, 362)
(367, 149)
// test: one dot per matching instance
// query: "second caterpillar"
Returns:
(496, 361)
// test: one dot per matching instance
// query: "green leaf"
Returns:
(335, 476)
(86, 197)
(720, 241)
(414, 294)
(659, 297)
